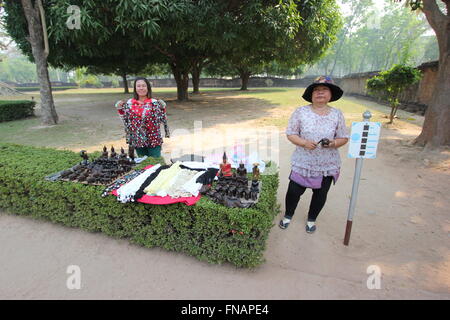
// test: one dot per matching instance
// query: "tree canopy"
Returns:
(124, 37)
(293, 34)
(376, 37)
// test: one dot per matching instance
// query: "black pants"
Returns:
(317, 201)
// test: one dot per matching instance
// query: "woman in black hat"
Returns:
(317, 130)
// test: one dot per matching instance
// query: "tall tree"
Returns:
(436, 127)
(293, 33)
(36, 36)
(359, 13)
(109, 38)
(377, 40)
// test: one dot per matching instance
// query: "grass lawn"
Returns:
(87, 116)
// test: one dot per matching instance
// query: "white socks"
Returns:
(286, 220)
(309, 223)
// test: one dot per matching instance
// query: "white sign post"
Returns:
(363, 144)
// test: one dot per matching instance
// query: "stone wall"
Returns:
(415, 99)
(254, 82)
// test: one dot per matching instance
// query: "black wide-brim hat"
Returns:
(336, 92)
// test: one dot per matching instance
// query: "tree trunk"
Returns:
(125, 83)
(436, 127)
(196, 71)
(391, 116)
(182, 80)
(36, 39)
(245, 76)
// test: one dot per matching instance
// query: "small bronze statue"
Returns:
(66, 173)
(105, 152)
(85, 157)
(82, 177)
(131, 154)
(72, 177)
(122, 153)
(255, 172)
(113, 154)
(91, 179)
(241, 171)
(255, 180)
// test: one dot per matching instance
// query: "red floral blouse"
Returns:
(142, 122)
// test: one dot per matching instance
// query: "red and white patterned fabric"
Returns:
(142, 121)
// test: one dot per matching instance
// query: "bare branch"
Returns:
(44, 27)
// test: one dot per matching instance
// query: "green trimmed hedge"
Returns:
(16, 109)
(206, 230)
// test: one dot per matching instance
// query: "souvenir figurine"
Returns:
(122, 153)
(113, 154)
(91, 179)
(232, 191)
(255, 186)
(241, 171)
(255, 172)
(241, 192)
(225, 166)
(131, 152)
(85, 157)
(105, 152)
(66, 173)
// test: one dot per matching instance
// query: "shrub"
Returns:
(17, 109)
(391, 83)
(204, 230)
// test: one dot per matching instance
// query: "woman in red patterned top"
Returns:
(142, 117)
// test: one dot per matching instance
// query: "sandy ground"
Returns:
(401, 227)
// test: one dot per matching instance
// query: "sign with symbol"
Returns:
(364, 140)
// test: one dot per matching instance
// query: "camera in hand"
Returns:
(325, 142)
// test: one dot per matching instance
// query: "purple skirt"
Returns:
(309, 182)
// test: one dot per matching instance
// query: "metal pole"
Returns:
(356, 178)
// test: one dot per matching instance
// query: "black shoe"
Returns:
(283, 225)
(310, 230)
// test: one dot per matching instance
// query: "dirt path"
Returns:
(401, 225)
